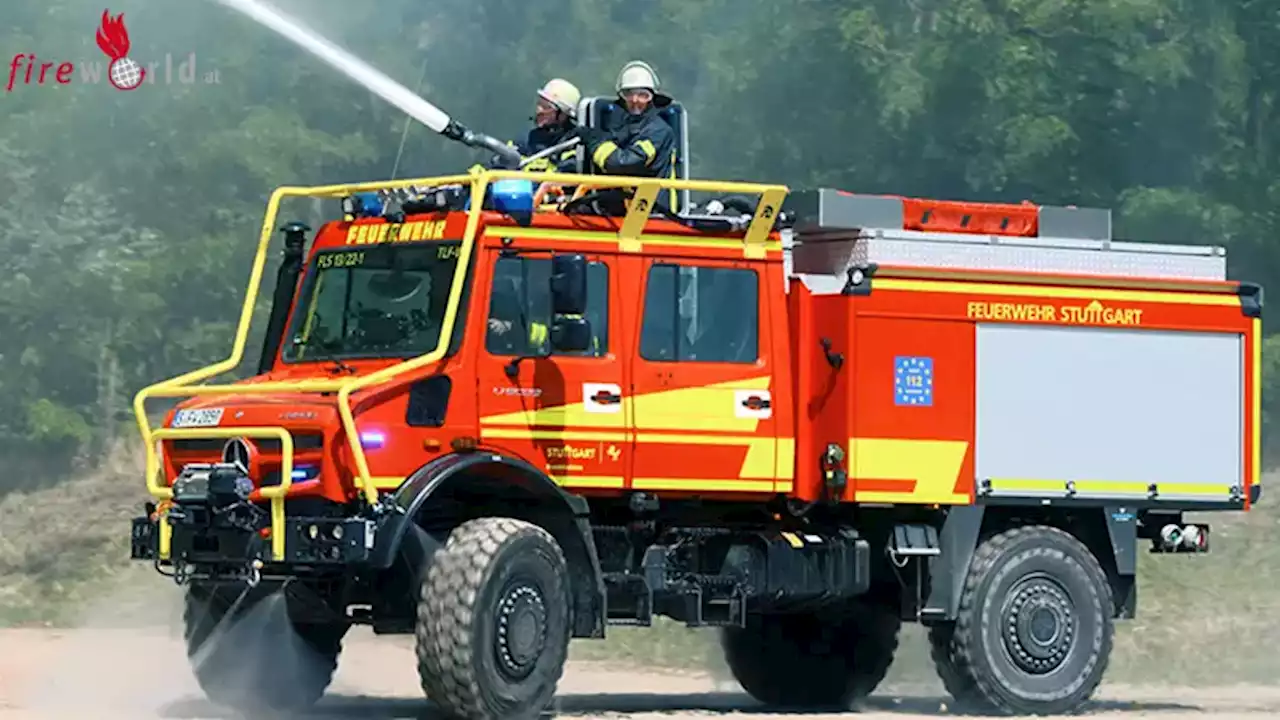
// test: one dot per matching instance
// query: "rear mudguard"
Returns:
(517, 489)
(966, 525)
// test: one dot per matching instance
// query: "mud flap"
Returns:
(947, 571)
(1122, 530)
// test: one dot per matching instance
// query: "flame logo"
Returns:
(113, 39)
(113, 36)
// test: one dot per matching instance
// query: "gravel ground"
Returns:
(144, 674)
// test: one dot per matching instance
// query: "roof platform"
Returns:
(834, 231)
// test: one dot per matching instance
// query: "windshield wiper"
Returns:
(339, 366)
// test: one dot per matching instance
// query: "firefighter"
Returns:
(555, 117)
(508, 313)
(643, 144)
(510, 317)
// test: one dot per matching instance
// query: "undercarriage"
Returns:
(808, 612)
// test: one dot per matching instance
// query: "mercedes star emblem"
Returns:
(236, 452)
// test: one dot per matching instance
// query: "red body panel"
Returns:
(681, 428)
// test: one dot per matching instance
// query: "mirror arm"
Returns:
(512, 368)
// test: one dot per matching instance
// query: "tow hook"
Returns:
(254, 574)
(181, 573)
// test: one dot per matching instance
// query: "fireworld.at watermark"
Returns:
(120, 70)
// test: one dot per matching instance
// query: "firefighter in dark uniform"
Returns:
(554, 119)
(643, 144)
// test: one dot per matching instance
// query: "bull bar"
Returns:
(630, 232)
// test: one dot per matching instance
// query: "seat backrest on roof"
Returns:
(604, 112)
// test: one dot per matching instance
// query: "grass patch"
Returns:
(63, 546)
(1202, 620)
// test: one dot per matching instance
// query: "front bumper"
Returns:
(211, 527)
(310, 541)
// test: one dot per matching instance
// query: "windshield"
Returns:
(385, 301)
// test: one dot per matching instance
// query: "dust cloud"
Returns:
(126, 657)
(109, 662)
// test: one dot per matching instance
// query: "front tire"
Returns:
(493, 621)
(243, 661)
(1033, 632)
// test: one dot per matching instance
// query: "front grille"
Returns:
(301, 441)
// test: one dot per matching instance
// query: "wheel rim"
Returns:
(1039, 625)
(521, 629)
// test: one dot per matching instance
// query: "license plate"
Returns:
(201, 417)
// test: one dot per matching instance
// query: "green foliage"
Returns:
(127, 220)
(51, 423)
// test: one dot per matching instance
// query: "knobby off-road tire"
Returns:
(812, 661)
(257, 668)
(493, 621)
(1033, 633)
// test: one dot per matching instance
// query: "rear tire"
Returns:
(1033, 632)
(493, 621)
(242, 662)
(813, 661)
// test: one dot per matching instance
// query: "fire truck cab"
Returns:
(499, 426)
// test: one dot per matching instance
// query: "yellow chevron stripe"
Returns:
(764, 458)
(710, 485)
(677, 409)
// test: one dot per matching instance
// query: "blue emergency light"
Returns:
(366, 204)
(513, 195)
(303, 473)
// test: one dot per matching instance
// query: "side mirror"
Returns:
(570, 334)
(568, 284)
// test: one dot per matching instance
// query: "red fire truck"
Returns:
(500, 423)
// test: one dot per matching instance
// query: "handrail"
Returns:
(646, 190)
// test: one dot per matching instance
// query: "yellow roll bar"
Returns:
(630, 232)
(275, 494)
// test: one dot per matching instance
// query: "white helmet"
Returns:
(637, 75)
(563, 94)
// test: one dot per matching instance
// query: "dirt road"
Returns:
(137, 674)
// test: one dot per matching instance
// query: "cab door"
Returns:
(564, 413)
(703, 406)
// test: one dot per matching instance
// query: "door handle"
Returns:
(755, 402)
(604, 397)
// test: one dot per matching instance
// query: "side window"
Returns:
(520, 308)
(700, 314)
